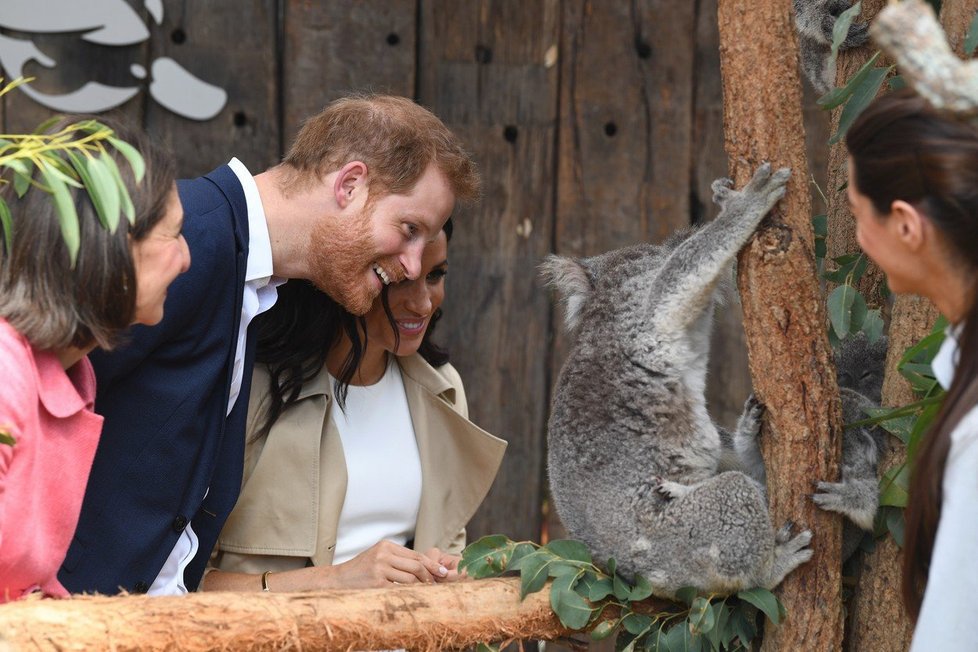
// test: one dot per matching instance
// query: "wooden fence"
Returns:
(595, 123)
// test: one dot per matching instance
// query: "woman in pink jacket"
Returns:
(52, 313)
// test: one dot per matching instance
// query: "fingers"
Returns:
(407, 566)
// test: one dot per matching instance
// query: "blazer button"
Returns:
(179, 523)
(140, 587)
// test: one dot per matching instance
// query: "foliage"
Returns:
(76, 156)
(6, 437)
(581, 592)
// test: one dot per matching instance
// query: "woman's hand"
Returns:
(386, 563)
(449, 562)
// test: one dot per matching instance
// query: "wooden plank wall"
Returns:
(595, 125)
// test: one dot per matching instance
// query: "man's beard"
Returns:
(339, 258)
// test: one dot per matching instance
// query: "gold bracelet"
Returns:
(264, 581)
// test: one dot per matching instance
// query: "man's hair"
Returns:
(55, 305)
(396, 138)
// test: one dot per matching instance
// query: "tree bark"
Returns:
(784, 311)
(438, 617)
(841, 238)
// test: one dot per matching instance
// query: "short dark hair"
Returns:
(55, 305)
(396, 138)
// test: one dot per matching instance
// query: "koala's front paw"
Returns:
(749, 423)
(858, 32)
(858, 500)
(668, 489)
(760, 194)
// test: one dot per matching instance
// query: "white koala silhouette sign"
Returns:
(103, 22)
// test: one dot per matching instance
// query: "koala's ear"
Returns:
(572, 282)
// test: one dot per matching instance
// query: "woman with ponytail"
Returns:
(913, 188)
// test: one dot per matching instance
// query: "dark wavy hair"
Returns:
(296, 334)
(902, 148)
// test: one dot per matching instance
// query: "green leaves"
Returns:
(766, 601)
(580, 592)
(7, 438)
(841, 29)
(78, 156)
(971, 37)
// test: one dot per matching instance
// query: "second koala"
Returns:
(633, 455)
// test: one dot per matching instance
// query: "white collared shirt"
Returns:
(946, 615)
(260, 292)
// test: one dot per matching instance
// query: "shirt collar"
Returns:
(64, 392)
(259, 246)
(946, 359)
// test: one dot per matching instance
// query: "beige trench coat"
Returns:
(295, 479)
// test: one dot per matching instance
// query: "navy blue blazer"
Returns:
(167, 440)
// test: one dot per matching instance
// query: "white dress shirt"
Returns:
(946, 621)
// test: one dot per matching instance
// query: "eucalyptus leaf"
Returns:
(840, 30)
(837, 96)
(7, 224)
(894, 486)
(840, 309)
(604, 629)
(763, 600)
(820, 225)
(569, 549)
(7, 438)
(636, 623)
(601, 589)
(862, 95)
(132, 155)
(701, 616)
(895, 524)
(621, 588)
(125, 201)
(573, 611)
(22, 183)
(873, 325)
(533, 572)
(858, 313)
(641, 590)
(65, 207)
(687, 594)
(47, 124)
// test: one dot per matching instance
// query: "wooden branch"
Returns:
(784, 311)
(428, 617)
(909, 33)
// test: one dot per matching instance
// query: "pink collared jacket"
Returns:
(48, 411)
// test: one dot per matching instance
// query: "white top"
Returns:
(383, 490)
(946, 621)
(259, 295)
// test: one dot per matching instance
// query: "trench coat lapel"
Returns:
(459, 460)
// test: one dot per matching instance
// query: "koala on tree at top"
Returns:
(814, 20)
(633, 456)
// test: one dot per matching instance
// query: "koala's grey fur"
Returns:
(814, 20)
(634, 459)
(859, 366)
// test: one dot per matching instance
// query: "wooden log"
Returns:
(424, 617)
(909, 33)
(784, 311)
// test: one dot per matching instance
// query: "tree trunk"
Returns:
(784, 311)
(438, 617)
(842, 227)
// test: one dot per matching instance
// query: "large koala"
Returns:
(633, 455)
(814, 20)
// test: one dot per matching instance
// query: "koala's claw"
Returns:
(722, 189)
(749, 423)
(668, 489)
(783, 535)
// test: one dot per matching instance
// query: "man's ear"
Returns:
(909, 224)
(350, 181)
